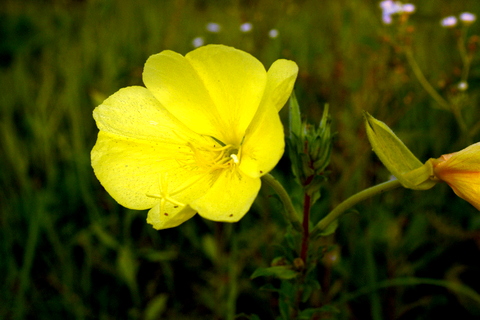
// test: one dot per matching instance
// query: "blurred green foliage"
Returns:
(68, 251)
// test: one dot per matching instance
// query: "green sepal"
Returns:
(395, 155)
(422, 177)
(295, 118)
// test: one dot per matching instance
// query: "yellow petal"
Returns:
(230, 195)
(135, 173)
(235, 81)
(280, 80)
(125, 169)
(176, 84)
(215, 90)
(461, 170)
(133, 112)
(467, 159)
(143, 153)
(466, 185)
(264, 144)
(169, 218)
(264, 140)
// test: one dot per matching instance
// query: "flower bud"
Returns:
(461, 171)
(395, 155)
(309, 148)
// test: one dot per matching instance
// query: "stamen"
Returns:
(165, 196)
(210, 157)
(235, 158)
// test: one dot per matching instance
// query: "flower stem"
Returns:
(466, 59)
(232, 275)
(424, 82)
(432, 92)
(350, 202)
(306, 222)
(290, 213)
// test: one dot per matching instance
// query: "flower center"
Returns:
(210, 157)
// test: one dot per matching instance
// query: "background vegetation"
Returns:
(68, 251)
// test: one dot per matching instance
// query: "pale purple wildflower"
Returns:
(408, 8)
(390, 7)
(213, 27)
(273, 33)
(387, 18)
(449, 22)
(468, 18)
(462, 86)
(198, 42)
(246, 27)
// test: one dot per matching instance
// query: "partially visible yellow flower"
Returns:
(461, 171)
(197, 138)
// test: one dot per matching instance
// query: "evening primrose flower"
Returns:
(461, 171)
(197, 138)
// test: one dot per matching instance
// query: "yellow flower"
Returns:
(461, 171)
(197, 138)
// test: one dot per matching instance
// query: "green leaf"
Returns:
(309, 287)
(307, 314)
(156, 307)
(210, 247)
(157, 255)
(287, 299)
(104, 237)
(245, 316)
(395, 155)
(269, 287)
(280, 272)
(127, 266)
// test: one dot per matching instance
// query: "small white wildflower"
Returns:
(273, 33)
(391, 7)
(213, 27)
(198, 42)
(387, 6)
(449, 22)
(386, 18)
(246, 27)
(462, 86)
(468, 18)
(408, 8)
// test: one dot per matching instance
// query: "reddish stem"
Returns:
(306, 232)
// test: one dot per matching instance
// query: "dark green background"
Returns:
(68, 251)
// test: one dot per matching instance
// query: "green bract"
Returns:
(398, 159)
